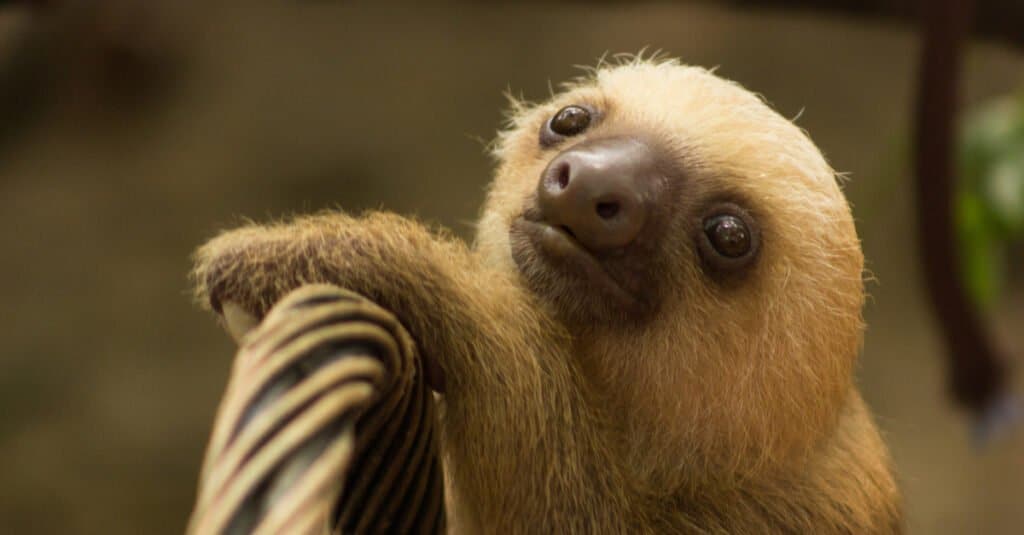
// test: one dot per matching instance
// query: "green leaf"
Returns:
(978, 257)
(989, 209)
(1003, 188)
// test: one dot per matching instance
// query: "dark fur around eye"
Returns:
(569, 121)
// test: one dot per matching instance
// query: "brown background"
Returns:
(109, 377)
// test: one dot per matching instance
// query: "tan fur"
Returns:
(732, 410)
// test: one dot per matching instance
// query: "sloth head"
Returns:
(684, 230)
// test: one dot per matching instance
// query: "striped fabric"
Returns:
(326, 427)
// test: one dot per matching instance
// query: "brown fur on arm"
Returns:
(423, 277)
(256, 264)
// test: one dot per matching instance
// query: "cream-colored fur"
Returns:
(730, 410)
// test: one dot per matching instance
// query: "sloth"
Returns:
(654, 331)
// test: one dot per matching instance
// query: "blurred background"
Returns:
(130, 132)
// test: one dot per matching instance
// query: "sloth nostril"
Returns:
(563, 176)
(607, 210)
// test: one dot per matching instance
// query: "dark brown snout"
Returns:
(599, 191)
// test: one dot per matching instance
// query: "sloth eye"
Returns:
(569, 121)
(729, 238)
(728, 235)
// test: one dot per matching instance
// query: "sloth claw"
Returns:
(237, 320)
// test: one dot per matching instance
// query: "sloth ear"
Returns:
(237, 321)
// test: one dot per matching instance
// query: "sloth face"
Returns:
(654, 185)
(604, 207)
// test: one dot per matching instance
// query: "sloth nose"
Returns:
(599, 191)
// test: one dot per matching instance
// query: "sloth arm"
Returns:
(515, 406)
(432, 282)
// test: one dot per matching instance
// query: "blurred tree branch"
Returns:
(977, 373)
(113, 57)
(998, 20)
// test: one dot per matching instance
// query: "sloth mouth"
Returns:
(558, 248)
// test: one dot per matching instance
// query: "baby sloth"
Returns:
(654, 331)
